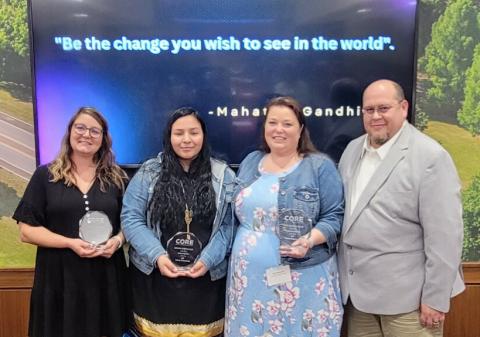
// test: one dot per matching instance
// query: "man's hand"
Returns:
(431, 318)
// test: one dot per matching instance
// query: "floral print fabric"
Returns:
(310, 305)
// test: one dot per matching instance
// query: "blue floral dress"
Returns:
(310, 305)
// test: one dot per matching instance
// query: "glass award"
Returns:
(95, 228)
(184, 248)
(291, 225)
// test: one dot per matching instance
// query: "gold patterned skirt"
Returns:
(180, 307)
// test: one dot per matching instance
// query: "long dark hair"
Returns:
(175, 187)
(305, 145)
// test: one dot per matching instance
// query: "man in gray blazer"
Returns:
(401, 243)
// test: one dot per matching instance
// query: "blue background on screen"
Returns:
(136, 90)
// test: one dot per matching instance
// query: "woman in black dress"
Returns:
(79, 289)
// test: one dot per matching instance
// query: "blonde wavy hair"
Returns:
(108, 172)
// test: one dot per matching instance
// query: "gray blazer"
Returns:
(401, 245)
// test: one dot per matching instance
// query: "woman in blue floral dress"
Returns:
(273, 289)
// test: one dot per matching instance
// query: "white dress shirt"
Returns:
(371, 159)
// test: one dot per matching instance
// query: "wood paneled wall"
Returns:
(463, 320)
(15, 288)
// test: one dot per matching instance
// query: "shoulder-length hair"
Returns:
(107, 172)
(305, 145)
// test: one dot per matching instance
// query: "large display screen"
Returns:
(136, 61)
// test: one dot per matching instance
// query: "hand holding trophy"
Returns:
(184, 247)
(95, 228)
(293, 230)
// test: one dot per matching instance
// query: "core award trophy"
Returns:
(95, 228)
(184, 247)
(292, 224)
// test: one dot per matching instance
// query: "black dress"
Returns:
(74, 296)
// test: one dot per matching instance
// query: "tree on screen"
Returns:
(469, 115)
(13, 40)
(471, 221)
(428, 11)
(13, 26)
(449, 53)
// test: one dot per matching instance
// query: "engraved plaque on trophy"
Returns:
(291, 225)
(184, 248)
(95, 228)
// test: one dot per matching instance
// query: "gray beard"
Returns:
(380, 140)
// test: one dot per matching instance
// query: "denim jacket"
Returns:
(145, 245)
(315, 187)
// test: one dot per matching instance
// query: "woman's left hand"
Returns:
(297, 250)
(110, 247)
(197, 270)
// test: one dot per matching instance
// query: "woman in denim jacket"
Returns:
(276, 288)
(182, 190)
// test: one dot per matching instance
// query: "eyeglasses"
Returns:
(381, 109)
(81, 129)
